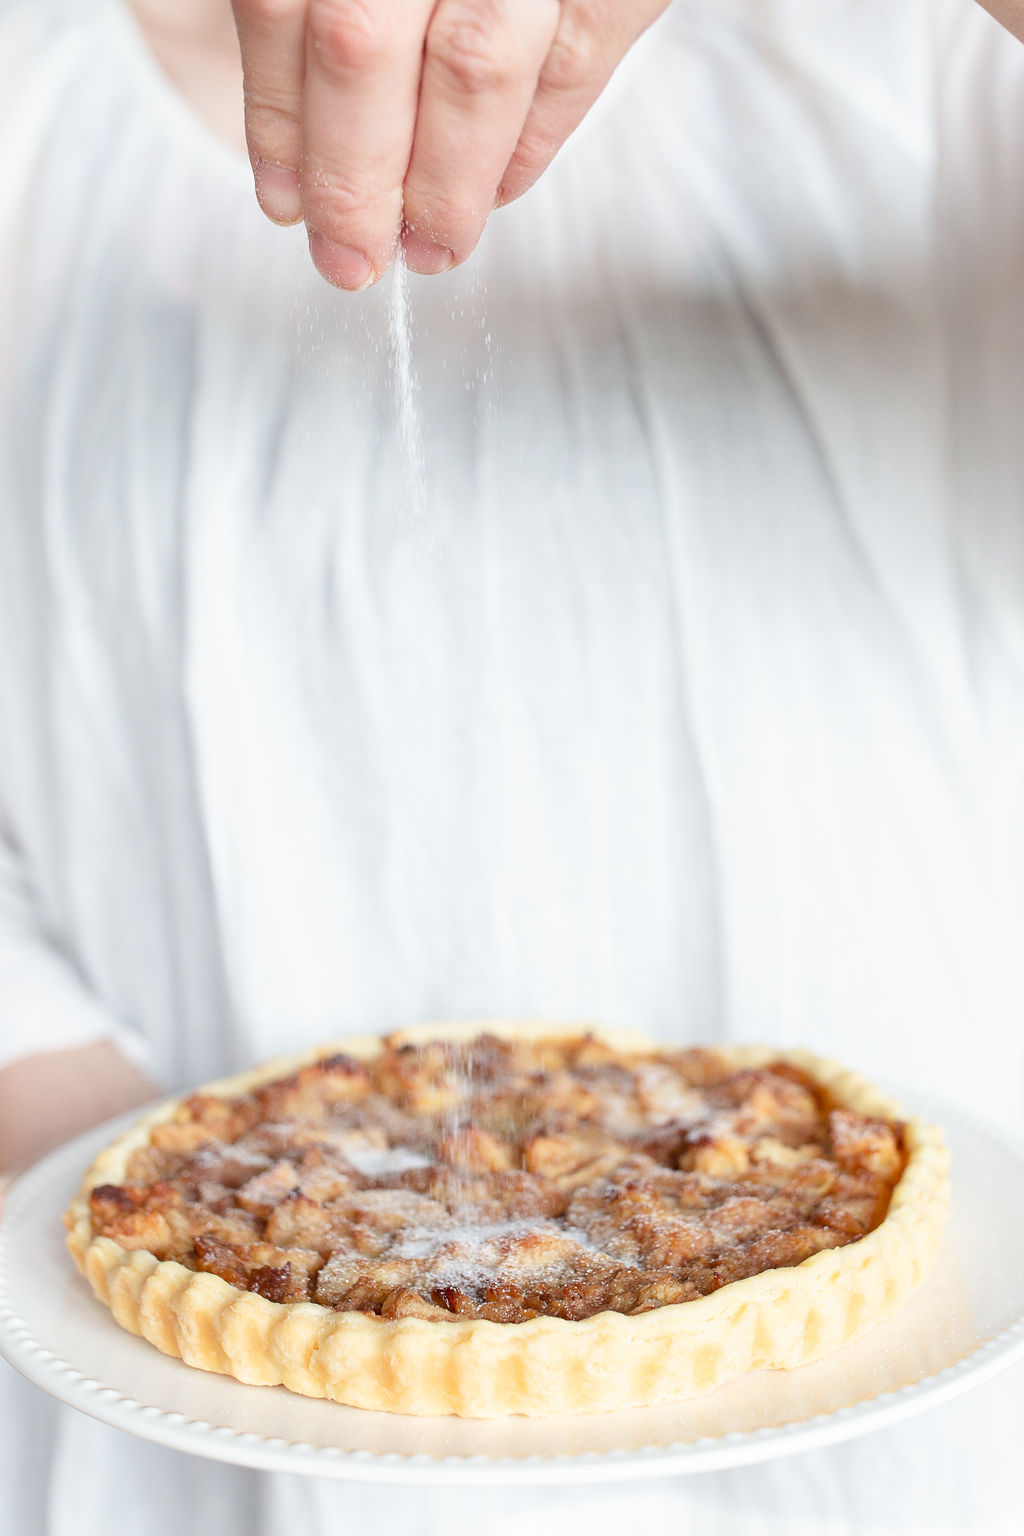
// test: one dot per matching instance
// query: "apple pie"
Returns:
(485, 1220)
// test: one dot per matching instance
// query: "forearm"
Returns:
(49, 1097)
(1009, 12)
(61, 1065)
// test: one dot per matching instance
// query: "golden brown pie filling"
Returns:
(505, 1179)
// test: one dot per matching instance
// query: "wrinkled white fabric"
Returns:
(695, 701)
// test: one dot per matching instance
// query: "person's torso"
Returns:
(675, 706)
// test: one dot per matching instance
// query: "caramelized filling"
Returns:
(505, 1180)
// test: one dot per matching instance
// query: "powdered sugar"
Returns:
(472, 1258)
(380, 1162)
(428, 1242)
(407, 391)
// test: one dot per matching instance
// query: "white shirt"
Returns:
(692, 700)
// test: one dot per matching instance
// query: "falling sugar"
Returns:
(407, 391)
(456, 1118)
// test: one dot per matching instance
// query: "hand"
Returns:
(384, 120)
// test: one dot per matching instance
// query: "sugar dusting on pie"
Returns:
(505, 1180)
(512, 1179)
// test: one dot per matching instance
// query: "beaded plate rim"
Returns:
(104, 1401)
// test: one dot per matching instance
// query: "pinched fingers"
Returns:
(593, 37)
(481, 64)
(363, 113)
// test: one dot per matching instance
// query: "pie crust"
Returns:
(548, 1365)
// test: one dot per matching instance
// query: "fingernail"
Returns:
(277, 191)
(424, 256)
(342, 265)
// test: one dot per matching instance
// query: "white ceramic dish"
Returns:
(963, 1325)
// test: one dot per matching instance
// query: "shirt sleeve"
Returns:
(45, 1005)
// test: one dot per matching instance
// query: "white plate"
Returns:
(963, 1325)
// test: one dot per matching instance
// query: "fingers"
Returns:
(363, 61)
(272, 36)
(363, 113)
(481, 64)
(592, 38)
(331, 89)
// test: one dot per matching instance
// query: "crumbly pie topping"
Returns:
(505, 1179)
